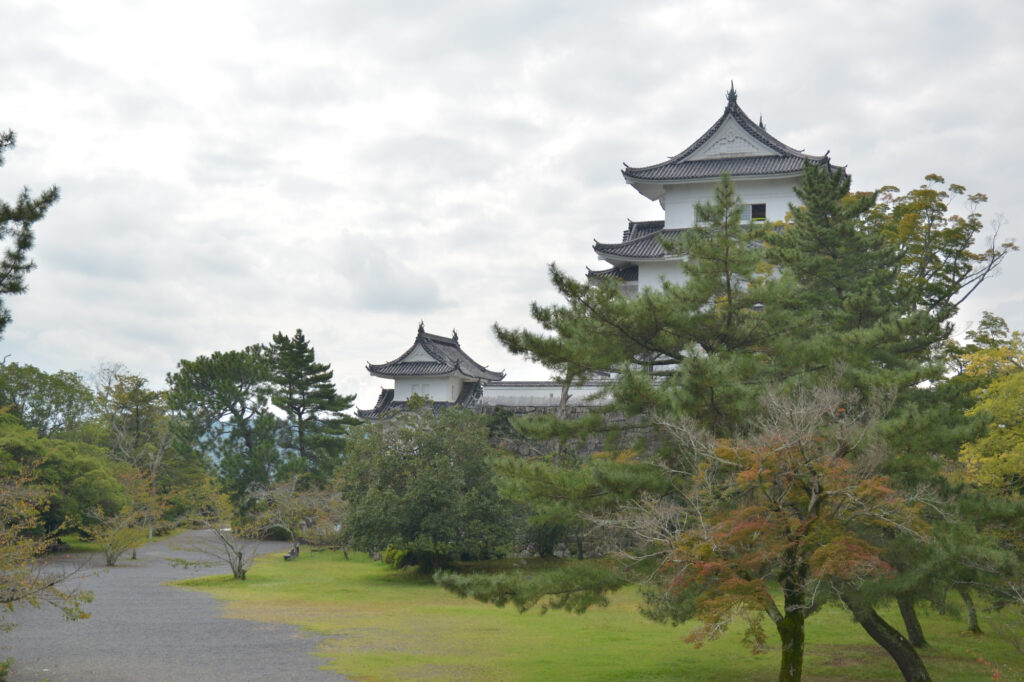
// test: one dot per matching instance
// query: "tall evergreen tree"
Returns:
(316, 422)
(16, 222)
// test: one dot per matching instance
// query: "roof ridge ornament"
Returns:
(420, 331)
(455, 337)
(731, 95)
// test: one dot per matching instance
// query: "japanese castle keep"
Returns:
(764, 171)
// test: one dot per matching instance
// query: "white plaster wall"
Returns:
(533, 393)
(650, 274)
(439, 389)
(776, 194)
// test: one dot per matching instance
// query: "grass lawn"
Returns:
(73, 542)
(379, 624)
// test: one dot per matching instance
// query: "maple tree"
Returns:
(127, 527)
(23, 581)
(224, 540)
(310, 515)
(799, 503)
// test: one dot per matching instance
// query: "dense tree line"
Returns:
(114, 459)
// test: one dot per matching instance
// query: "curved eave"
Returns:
(616, 259)
(488, 375)
(655, 189)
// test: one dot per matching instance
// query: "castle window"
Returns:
(754, 212)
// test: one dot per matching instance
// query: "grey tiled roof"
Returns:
(680, 167)
(447, 358)
(630, 273)
(386, 397)
(641, 229)
(647, 246)
(714, 168)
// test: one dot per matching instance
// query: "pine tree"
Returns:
(16, 224)
(316, 421)
(698, 347)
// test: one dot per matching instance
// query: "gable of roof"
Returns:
(434, 355)
(734, 144)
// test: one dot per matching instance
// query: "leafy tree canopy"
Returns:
(422, 484)
(76, 477)
(53, 404)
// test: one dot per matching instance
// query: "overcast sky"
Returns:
(233, 169)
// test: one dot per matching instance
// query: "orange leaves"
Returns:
(848, 558)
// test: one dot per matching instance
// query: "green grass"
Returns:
(73, 542)
(380, 624)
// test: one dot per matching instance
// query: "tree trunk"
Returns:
(972, 613)
(791, 632)
(239, 568)
(890, 639)
(914, 632)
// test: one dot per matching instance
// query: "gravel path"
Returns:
(142, 630)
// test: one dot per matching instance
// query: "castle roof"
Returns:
(734, 144)
(627, 273)
(432, 355)
(640, 241)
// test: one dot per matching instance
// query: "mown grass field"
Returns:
(379, 624)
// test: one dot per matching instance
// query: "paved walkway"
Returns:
(143, 630)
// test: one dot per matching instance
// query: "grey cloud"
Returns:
(377, 281)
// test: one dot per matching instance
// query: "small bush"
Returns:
(396, 558)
